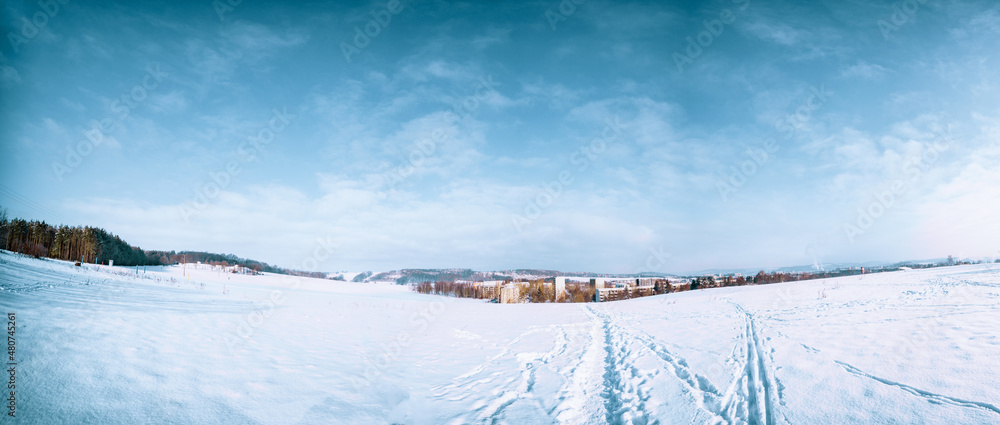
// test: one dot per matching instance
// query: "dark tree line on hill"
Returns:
(177, 257)
(454, 289)
(172, 257)
(77, 243)
(95, 245)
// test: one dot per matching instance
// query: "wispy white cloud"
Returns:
(779, 33)
(865, 70)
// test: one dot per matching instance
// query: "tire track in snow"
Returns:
(931, 397)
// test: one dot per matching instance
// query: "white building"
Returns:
(560, 289)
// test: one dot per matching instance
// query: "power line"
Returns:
(13, 195)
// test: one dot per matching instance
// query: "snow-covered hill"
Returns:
(183, 344)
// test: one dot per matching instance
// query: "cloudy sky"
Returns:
(599, 136)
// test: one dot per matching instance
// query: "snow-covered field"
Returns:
(190, 345)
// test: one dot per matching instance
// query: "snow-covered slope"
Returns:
(183, 344)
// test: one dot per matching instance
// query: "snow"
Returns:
(189, 344)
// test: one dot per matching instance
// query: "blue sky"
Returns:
(599, 136)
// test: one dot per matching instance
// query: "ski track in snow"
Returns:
(760, 383)
(931, 397)
(749, 399)
(601, 369)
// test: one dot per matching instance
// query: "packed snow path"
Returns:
(188, 344)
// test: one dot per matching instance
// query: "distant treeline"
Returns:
(87, 244)
(98, 246)
(172, 257)
(763, 278)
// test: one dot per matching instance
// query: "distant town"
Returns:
(98, 246)
(603, 289)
